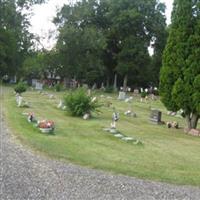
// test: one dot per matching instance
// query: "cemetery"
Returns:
(125, 137)
(100, 99)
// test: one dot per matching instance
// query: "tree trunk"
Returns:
(107, 82)
(192, 120)
(125, 82)
(115, 82)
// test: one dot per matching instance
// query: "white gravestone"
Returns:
(122, 96)
(60, 105)
(38, 86)
(19, 101)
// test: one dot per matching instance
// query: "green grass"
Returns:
(166, 154)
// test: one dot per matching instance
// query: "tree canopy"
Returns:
(107, 37)
(15, 38)
(180, 74)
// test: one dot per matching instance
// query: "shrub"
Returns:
(143, 94)
(78, 103)
(58, 87)
(20, 87)
(156, 92)
(109, 89)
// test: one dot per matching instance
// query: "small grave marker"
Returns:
(155, 116)
(19, 101)
(38, 86)
(122, 96)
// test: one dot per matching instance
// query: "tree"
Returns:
(15, 39)
(80, 43)
(110, 39)
(180, 73)
(136, 24)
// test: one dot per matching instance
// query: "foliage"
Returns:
(111, 37)
(58, 87)
(15, 37)
(78, 103)
(143, 94)
(109, 89)
(180, 72)
(20, 87)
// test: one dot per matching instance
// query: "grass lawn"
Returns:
(166, 154)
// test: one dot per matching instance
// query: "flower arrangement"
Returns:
(31, 117)
(46, 125)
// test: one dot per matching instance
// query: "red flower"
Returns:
(46, 124)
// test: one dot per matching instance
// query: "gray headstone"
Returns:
(122, 96)
(136, 91)
(38, 86)
(155, 116)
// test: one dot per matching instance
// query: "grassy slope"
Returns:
(167, 154)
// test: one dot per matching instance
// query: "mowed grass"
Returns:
(166, 155)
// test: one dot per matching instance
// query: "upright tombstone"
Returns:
(85, 86)
(122, 95)
(136, 91)
(89, 92)
(60, 105)
(129, 89)
(94, 87)
(20, 101)
(33, 82)
(38, 86)
(115, 118)
(155, 116)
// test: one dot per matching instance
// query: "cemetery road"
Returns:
(26, 175)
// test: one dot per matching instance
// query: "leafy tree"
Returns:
(80, 43)
(110, 38)
(136, 24)
(180, 74)
(15, 39)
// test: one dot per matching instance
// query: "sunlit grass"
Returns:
(166, 154)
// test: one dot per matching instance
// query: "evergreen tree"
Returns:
(180, 74)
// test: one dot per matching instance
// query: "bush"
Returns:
(109, 89)
(58, 87)
(20, 87)
(143, 94)
(156, 92)
(78, 103)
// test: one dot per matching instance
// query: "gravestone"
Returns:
(34, 81)
(122, 96)
(94, 87)
(129, 99)
(129, 89)
(51, 96)
(85, 86)
(86, 116)
(60, 105)
(89, 92)
(20, 101)
(136, 91)
(155, 116)
(38, 86)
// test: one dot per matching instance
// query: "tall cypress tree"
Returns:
(180, 73)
